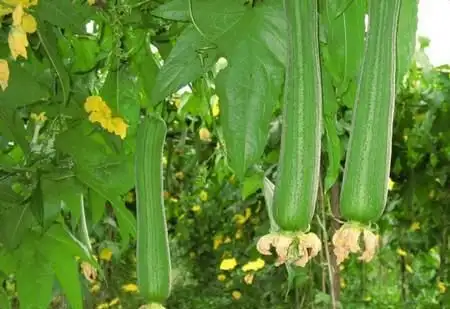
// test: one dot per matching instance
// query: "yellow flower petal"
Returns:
(115, 301)
(238, 234)
(88, 271)
(18, 43)
(4, 74)
(442, 287)
(401, 252)
(390, 184)
(221, 277)
(119, 127)
(96, 104)
(203, 196)
(130, 288)
(29, 24)
(236, 295)
(248, 279)
(196, 208)
(105, 254)
(409, 268)
(218, 240)
(215, 106)
(254, 265)
(91, 2)
(228, 264)
(17, 15)
(95, 288)
(415, 226)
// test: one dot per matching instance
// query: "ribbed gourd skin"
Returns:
(153, 255)
(298, 171)
(366, 174)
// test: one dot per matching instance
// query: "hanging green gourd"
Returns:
(153, 256)
(366, 175)
(296, 185)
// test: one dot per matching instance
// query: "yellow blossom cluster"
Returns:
(23, 23)
(101, 113)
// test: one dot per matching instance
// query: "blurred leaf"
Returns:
(85, 54)
(13, 128)
(184, 64)
(49, 43)
(8, 262)
(23, 88)
(252, 184)
(97, 205)
(268, 190)
(7, 194)
(65, 14)
(173, 10)
(126, 220)
(4, 300)
(34, 271)
(406, 36)
(16, 221)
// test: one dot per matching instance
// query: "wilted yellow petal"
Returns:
(265, 243)
(370, 246)
(29, 24)
(282, 244)
(236, 295)
(130, 287)
(205, 135)
(228, 264)
(18, 42)
(4, 74)
(88, 271)
(95, 288)
(105, 254)
(248, 279)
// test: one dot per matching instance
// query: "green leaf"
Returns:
(252, 184)
(34, 271)
(143, 63)
(183, 65)
(49, 43)
(173, 10)
(126, 220)
(15, 222)
(23, 88)
(85, 54)
(330, 109)
(57, 238)
(4, 300)
(121, 92)
(8, 262)
(65, 14)
(406, 36)
(13, 128)
(97, 205)
(60, 249)
(345, 40)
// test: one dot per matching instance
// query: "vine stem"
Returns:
(322, 224)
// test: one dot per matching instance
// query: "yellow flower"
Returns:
(130, 287)
(118, 126)
(105, 254)
(415, 226)
(10, 4)
(196, 208)
(254, 265)
(29, 24)
(88, 271)
(221, 277)
(179, 175)
(102, 306)
(401, 252)
(441, 286)
(215, 106)
(205, 135)
(409, 268)
(115, 301)
(241, 219)
(390, 184)
(91, 2)
(4, 74)
(218, 240)
(228, 264)
(96, 104)
(248, 279)
(203, 196)
(236, 295)
(95, 288)
(18, 42)
(238, 234)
